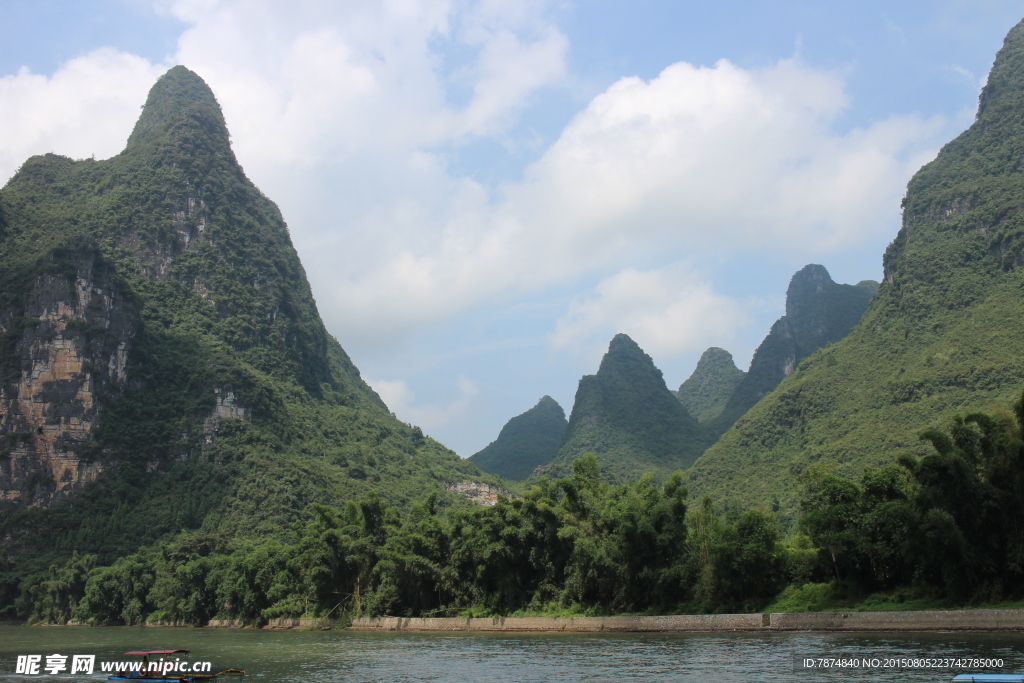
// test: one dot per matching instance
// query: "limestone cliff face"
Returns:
(479, 492)
(71, 343)
(161, 278)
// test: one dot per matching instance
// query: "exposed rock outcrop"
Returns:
(478, 492)
(70, 343)
(161, 273)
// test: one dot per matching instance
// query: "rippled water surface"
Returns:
(327, 656)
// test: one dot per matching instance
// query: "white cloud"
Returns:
(699, 155)
(87, 108)
(697, 161)
(345, 114)
(397, 395)
(667, 312)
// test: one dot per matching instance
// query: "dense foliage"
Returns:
(526, 442)
(952, 521)
(949, 525)
(575, 544)
(944, 333)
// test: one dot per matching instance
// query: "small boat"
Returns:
(177, 671)
(989, 678)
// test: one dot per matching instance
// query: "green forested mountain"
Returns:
(706, 391)
(818, 312)
(944, 333)
(525, 443)
(162, 362)
(629, 418)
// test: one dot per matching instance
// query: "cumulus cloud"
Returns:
(698, 161)
(87, 108)
(667, 312)
(347, 115)
(699, 155)
(328, 80)
(397, 395)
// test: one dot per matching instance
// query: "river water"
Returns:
(344, 656)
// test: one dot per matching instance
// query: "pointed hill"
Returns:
(629, 418)
(819, 312)
(706, 391)
(944, 335)
(163, 365)
(526, 442)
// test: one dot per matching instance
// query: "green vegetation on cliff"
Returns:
(214, 396)
(944, 333)
(526, 442)
(819, 312)
(706, 391)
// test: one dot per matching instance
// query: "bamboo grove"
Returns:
(950, 524)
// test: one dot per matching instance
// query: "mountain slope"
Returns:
(818, 312)
(525, 443)
(943, 335)
(162, 362)
(629, 418)
(707, 390)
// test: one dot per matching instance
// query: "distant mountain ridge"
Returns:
(526, 442)
(629, 418)
(622, 413)
(706, 392)
(943, 335)
(819, 312)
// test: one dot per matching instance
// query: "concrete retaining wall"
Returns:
(953, 620)
(696, 622)
(272, 623)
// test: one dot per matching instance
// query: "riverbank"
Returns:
(946, 620)
(1005, 620)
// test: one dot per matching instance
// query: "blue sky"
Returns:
(484, 192)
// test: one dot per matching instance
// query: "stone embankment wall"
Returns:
(695, 622)
(953, 620)
(272, 623)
